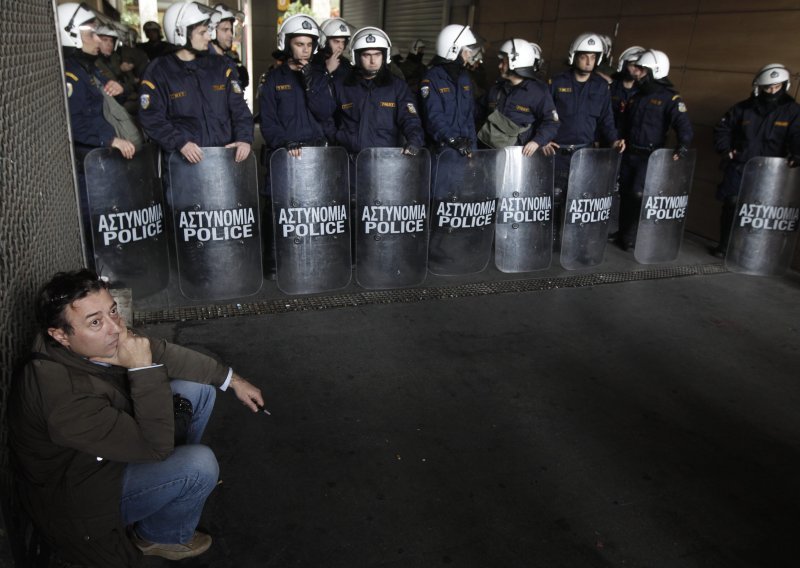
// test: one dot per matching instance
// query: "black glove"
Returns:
(306, 75)
(410, 150)
(294, 145)
(681, 152)
(794, 161)
(461, 144)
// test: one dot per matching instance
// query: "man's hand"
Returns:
(619, 145)
(126, 148)
(462, 145)
(306, 74)
(247, 393)
(680, 153)
(112, 89)
(332, 63)
(794, 161)
(550, 148)
(530, 148)
(242, 150)
(732, 154)
(192, 152)
(295, 149)
(410, 150)
(132, 351)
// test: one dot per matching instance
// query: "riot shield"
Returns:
(311, 213)
(523, 238)
(664, 205)
(463, 213)
(216, 223)
(764, 234)
(126, 207)
(592, 178)
(392, 199)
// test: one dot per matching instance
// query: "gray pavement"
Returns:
(643, 423)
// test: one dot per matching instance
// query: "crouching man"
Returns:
(94, 427)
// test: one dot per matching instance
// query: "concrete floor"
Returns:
(648, 424)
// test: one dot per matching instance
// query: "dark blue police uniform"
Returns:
(448, 104)
(620, 96)
(526, 104)
(85, 101)
(374, 113)
(649, 115)
(196, 101)
(584, 109)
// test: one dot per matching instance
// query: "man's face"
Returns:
(503, 67)
(585, 62)
(631, 67)
(153, 34)
(107, 44)
(225, 34)
(337, 44)
(371, 60)
(95, 326)
(638, 72)
(772, 89)
(90, 39)
(301, 48)
(200, 38)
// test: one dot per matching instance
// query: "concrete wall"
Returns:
(715, 47)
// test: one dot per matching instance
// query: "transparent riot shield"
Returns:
(311, 217)
(524, 231)
(392, 200)
(126, 206)
(764, 232)
(216, 224)
(592, 179)
(463, 211)
(664, 206)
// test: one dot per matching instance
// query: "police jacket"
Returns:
(448, 103)
(289, 113)
(196, 101)
(374, 113)
(620, 96)
(73, 429)
(584, 109)
(651, 112)
(318, 61)
(528, 103)
(85, 101)
(756, 128)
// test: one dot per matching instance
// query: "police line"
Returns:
(496, 204)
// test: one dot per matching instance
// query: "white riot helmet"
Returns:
(656, 61)
(416, 46)
(370, 38)
(452, 39)
(769, 75)
(72, 19)
(225, 13)
(586, 43)
(630, 55)
(608, 45)
(523, 57)
(298, 25)
(181, 16)
(335, 27)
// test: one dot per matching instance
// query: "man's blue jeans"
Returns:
(165, 499)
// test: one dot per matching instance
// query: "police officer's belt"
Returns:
(568, 150)
(640, 150)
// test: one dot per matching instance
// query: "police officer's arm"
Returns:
(89, 128)
(793, 138)
(724, 132)
(273, 132)
(679, 120)
(408, 119)
(607, 128)
(435, 123)
(241, 117)
(547, 127)
(154, 105)
(319, 97)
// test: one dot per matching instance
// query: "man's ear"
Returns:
(59, 335)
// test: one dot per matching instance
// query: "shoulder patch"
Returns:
(72, 76)
(237, 88)
(69, 90)
(425, 90)
(681, 107)
(144, 101)
(148, 84)
(676, 97)
(411, 108)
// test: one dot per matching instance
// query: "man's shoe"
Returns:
(197, 545)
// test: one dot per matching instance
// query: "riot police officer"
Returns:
(583, 103)
(153, 47)
(373, 107)
(190, 99)
(519, 109)
(294, 99)
(412, 66)
(446, 91)
(332, 58)
(766, 124)
(623, 85)
(652, 111)
(222, 35)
